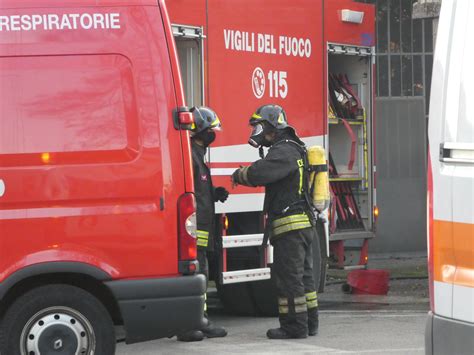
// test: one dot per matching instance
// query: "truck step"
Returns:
(355, 267)
(244, 240)
(231, 277)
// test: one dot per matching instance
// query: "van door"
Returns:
(445, 86)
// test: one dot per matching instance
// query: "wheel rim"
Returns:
(58, 331)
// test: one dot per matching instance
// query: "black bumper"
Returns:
(157, 308)
(448, 336)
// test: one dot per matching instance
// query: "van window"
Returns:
(189, 43)
(465, 129)
(67, 104)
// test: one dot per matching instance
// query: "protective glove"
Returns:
(239, 177)
(220, 194)
(235, 177)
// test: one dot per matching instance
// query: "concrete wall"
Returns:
(401, 175)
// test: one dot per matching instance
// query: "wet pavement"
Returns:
(350, 324)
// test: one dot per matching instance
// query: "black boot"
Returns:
(313, 321)
(192, 335)
(211, 331)
(280, 333)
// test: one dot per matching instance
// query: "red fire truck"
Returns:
(315, 58)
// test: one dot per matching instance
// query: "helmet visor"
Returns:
(256, 130)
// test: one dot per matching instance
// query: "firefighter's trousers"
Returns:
(293, 275)
(204, 270)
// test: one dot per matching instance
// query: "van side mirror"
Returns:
(183, 118)
(186, 118)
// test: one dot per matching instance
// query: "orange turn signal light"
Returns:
(226, 222)
(376, 212)
(45, 158)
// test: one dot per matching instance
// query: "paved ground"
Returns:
(343, 332)
(392, 324)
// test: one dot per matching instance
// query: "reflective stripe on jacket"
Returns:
(290, 223)
(204, 192)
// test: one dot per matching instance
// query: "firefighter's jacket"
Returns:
(282, 174)
(204, 192)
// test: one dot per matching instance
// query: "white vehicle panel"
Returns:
(443, 299)
(463, 303)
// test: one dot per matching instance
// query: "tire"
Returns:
(256, 298)
(259, 298)
(237, 298)
(265, 296)
(57, 319)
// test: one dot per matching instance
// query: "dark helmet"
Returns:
(204, 118)
(273, 114)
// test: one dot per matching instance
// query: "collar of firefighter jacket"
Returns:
(287, 133)
(201, 150)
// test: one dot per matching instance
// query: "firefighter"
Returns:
(290, 219)
(203, 134)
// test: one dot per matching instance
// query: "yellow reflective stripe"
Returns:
(256, 116)
(291, 227)
(311, 296)
(301, 308)
(202, 243)
(302, 217)
(215, 123)
(282, 301)
(300, 300)
(203, 234)
(312, 304)
(301, 165)
(202, 238)
(281, 118)
(283, 309)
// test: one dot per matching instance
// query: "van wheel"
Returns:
(57, 319)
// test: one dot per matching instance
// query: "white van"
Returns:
(450, 326)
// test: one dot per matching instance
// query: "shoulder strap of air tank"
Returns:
(306, 171)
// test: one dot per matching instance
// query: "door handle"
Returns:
(456, 153)
(2, 188)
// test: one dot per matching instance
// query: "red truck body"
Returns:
(91, 164)
(254, 52)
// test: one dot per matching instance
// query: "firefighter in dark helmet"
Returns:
(290, 219)
(203, 134)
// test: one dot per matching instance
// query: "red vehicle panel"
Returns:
(101, 179)
(92, 167)
(338, 31)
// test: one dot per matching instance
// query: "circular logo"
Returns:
(2, 188)
(258, 83)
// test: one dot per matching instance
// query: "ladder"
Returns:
(242, 241)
